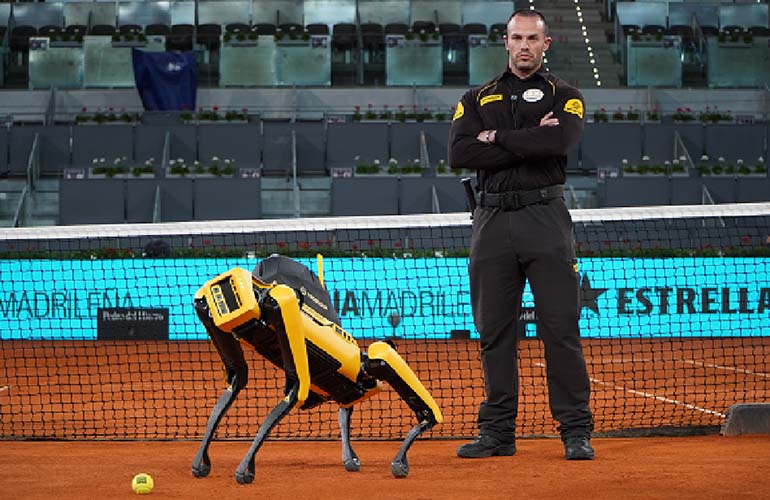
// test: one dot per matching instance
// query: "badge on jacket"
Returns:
(459, 112)
(532, 95)
(575, 107)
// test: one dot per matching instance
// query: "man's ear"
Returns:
(546, 43)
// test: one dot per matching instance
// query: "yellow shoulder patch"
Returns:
(491, 98)
(459, 112)
(574, 106)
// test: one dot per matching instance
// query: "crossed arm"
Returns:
(472, 145)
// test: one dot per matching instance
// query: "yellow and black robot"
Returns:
(283, 311)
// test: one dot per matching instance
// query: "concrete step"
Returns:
(9, 200)
(305, 183)
(280, 203)
(45, 204)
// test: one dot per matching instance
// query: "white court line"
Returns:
(653, 396)
(605, 361)
(659, 398)
(728, 368)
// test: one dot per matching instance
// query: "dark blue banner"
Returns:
(166, 81)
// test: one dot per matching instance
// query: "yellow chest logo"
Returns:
(575, 107)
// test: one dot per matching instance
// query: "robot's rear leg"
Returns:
(385, 364)
(244, 474)
(399, 467)
(349, 457)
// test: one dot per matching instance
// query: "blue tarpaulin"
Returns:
(166, 81)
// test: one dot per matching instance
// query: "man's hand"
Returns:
(547, 121)
(487, 136)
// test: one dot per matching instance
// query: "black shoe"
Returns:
(486, 446)
(578, 448)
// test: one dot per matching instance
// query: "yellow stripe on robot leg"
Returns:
(381, 351)
(292, 322)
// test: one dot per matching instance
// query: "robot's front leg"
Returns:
(385, 364)
(244, 474)
(349, 457)
(230, 352)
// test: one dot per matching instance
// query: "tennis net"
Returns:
(99, 339)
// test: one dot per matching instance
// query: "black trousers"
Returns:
(534, 243)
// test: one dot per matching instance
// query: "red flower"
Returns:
(215, 108)
(83, 109)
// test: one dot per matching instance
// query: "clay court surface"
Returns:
(705, 467)
(129, 407)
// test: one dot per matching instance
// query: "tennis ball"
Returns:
(142, 484)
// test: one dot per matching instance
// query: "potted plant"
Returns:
(683, 115)
(401, 114)
(370, 114)
(600, 115)
(177, 168)
(385, 114)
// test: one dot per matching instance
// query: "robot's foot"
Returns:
(201, 470)
(352, 465)
(399, 468)
(244, 477)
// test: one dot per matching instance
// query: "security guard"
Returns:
(516, 131)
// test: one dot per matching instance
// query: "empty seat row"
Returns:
(686, 31)
(340, 29)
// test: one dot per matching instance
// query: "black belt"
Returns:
(514, 200)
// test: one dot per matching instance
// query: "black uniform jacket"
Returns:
(524, 155)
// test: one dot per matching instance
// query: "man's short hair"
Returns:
(530, 13)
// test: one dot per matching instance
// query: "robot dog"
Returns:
(284, 312)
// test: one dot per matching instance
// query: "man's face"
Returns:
(526, 43)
